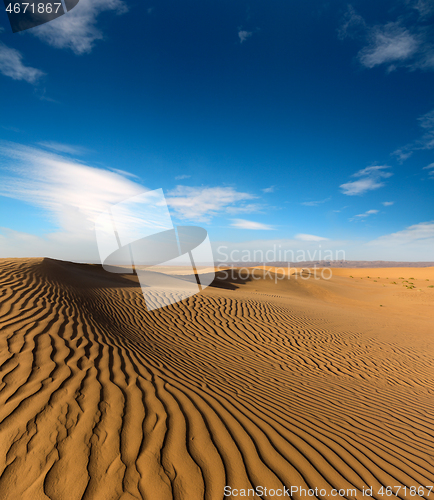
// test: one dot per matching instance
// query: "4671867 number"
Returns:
(40, 8)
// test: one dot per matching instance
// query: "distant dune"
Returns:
(260, 380)
(334, 263)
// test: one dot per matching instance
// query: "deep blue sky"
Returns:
(239, 96)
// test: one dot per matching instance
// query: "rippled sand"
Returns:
(297, 382)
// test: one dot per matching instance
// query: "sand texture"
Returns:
(314, 383)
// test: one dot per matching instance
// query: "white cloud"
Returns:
(248, 224)
(77, 30)
(315, 203)
(427, 120)
(368, 212)
(405, 42)
(243, 35)
(63, 148)
(309, 237)
(418, 233)
(352, 24)
(364, 215)
(412, 244)
(370, 179)
(72, 193)
(388, 43)
(402, 155)
(11, 64)
(246, 209)
(426, 142)
(124, 173)
(180, 177)
(270, 189)
(430, 169)
(202, 203)
(388, 203)
(424, 7)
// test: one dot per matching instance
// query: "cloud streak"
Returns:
(202, 203)
(364, 215)
(77, 29)
(248, 224)
(390, 43)
(72, 193)
(11, 65)
(425, 142)
(315, 203)
(370, 178)
(244, 35)
(309, 237)
(418, 233)
(57, 147)
(405, 42)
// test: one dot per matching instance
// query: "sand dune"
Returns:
(266, 382)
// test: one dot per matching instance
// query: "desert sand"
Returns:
(300, 382)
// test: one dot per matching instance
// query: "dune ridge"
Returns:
(254, 384)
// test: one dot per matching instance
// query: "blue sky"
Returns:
(292, 123)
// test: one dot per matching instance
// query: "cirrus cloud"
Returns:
(12, 65)
(249, 224)
(370, 178)
(78, 30)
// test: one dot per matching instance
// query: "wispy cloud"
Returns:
(12, 129)
(426, 121)
(270, 189)
(245, 208)
(388, 203)
(364, 215)
(403, 42)
(353, 25)
(243, 35)
(183, 176)
(315, 203)
(425, 142)
(424, 7)
(422, 232)
(390, 43)
(370, 178)
(77, 30)
(309, 237)
(11, 64)
(71, 193)
(248, 224)
(202, 203)
(430, 169)
(63, 148)
(124, 173)
(402, 155)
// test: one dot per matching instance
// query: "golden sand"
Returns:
(296, 382)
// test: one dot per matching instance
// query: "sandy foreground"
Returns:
(265, 382)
